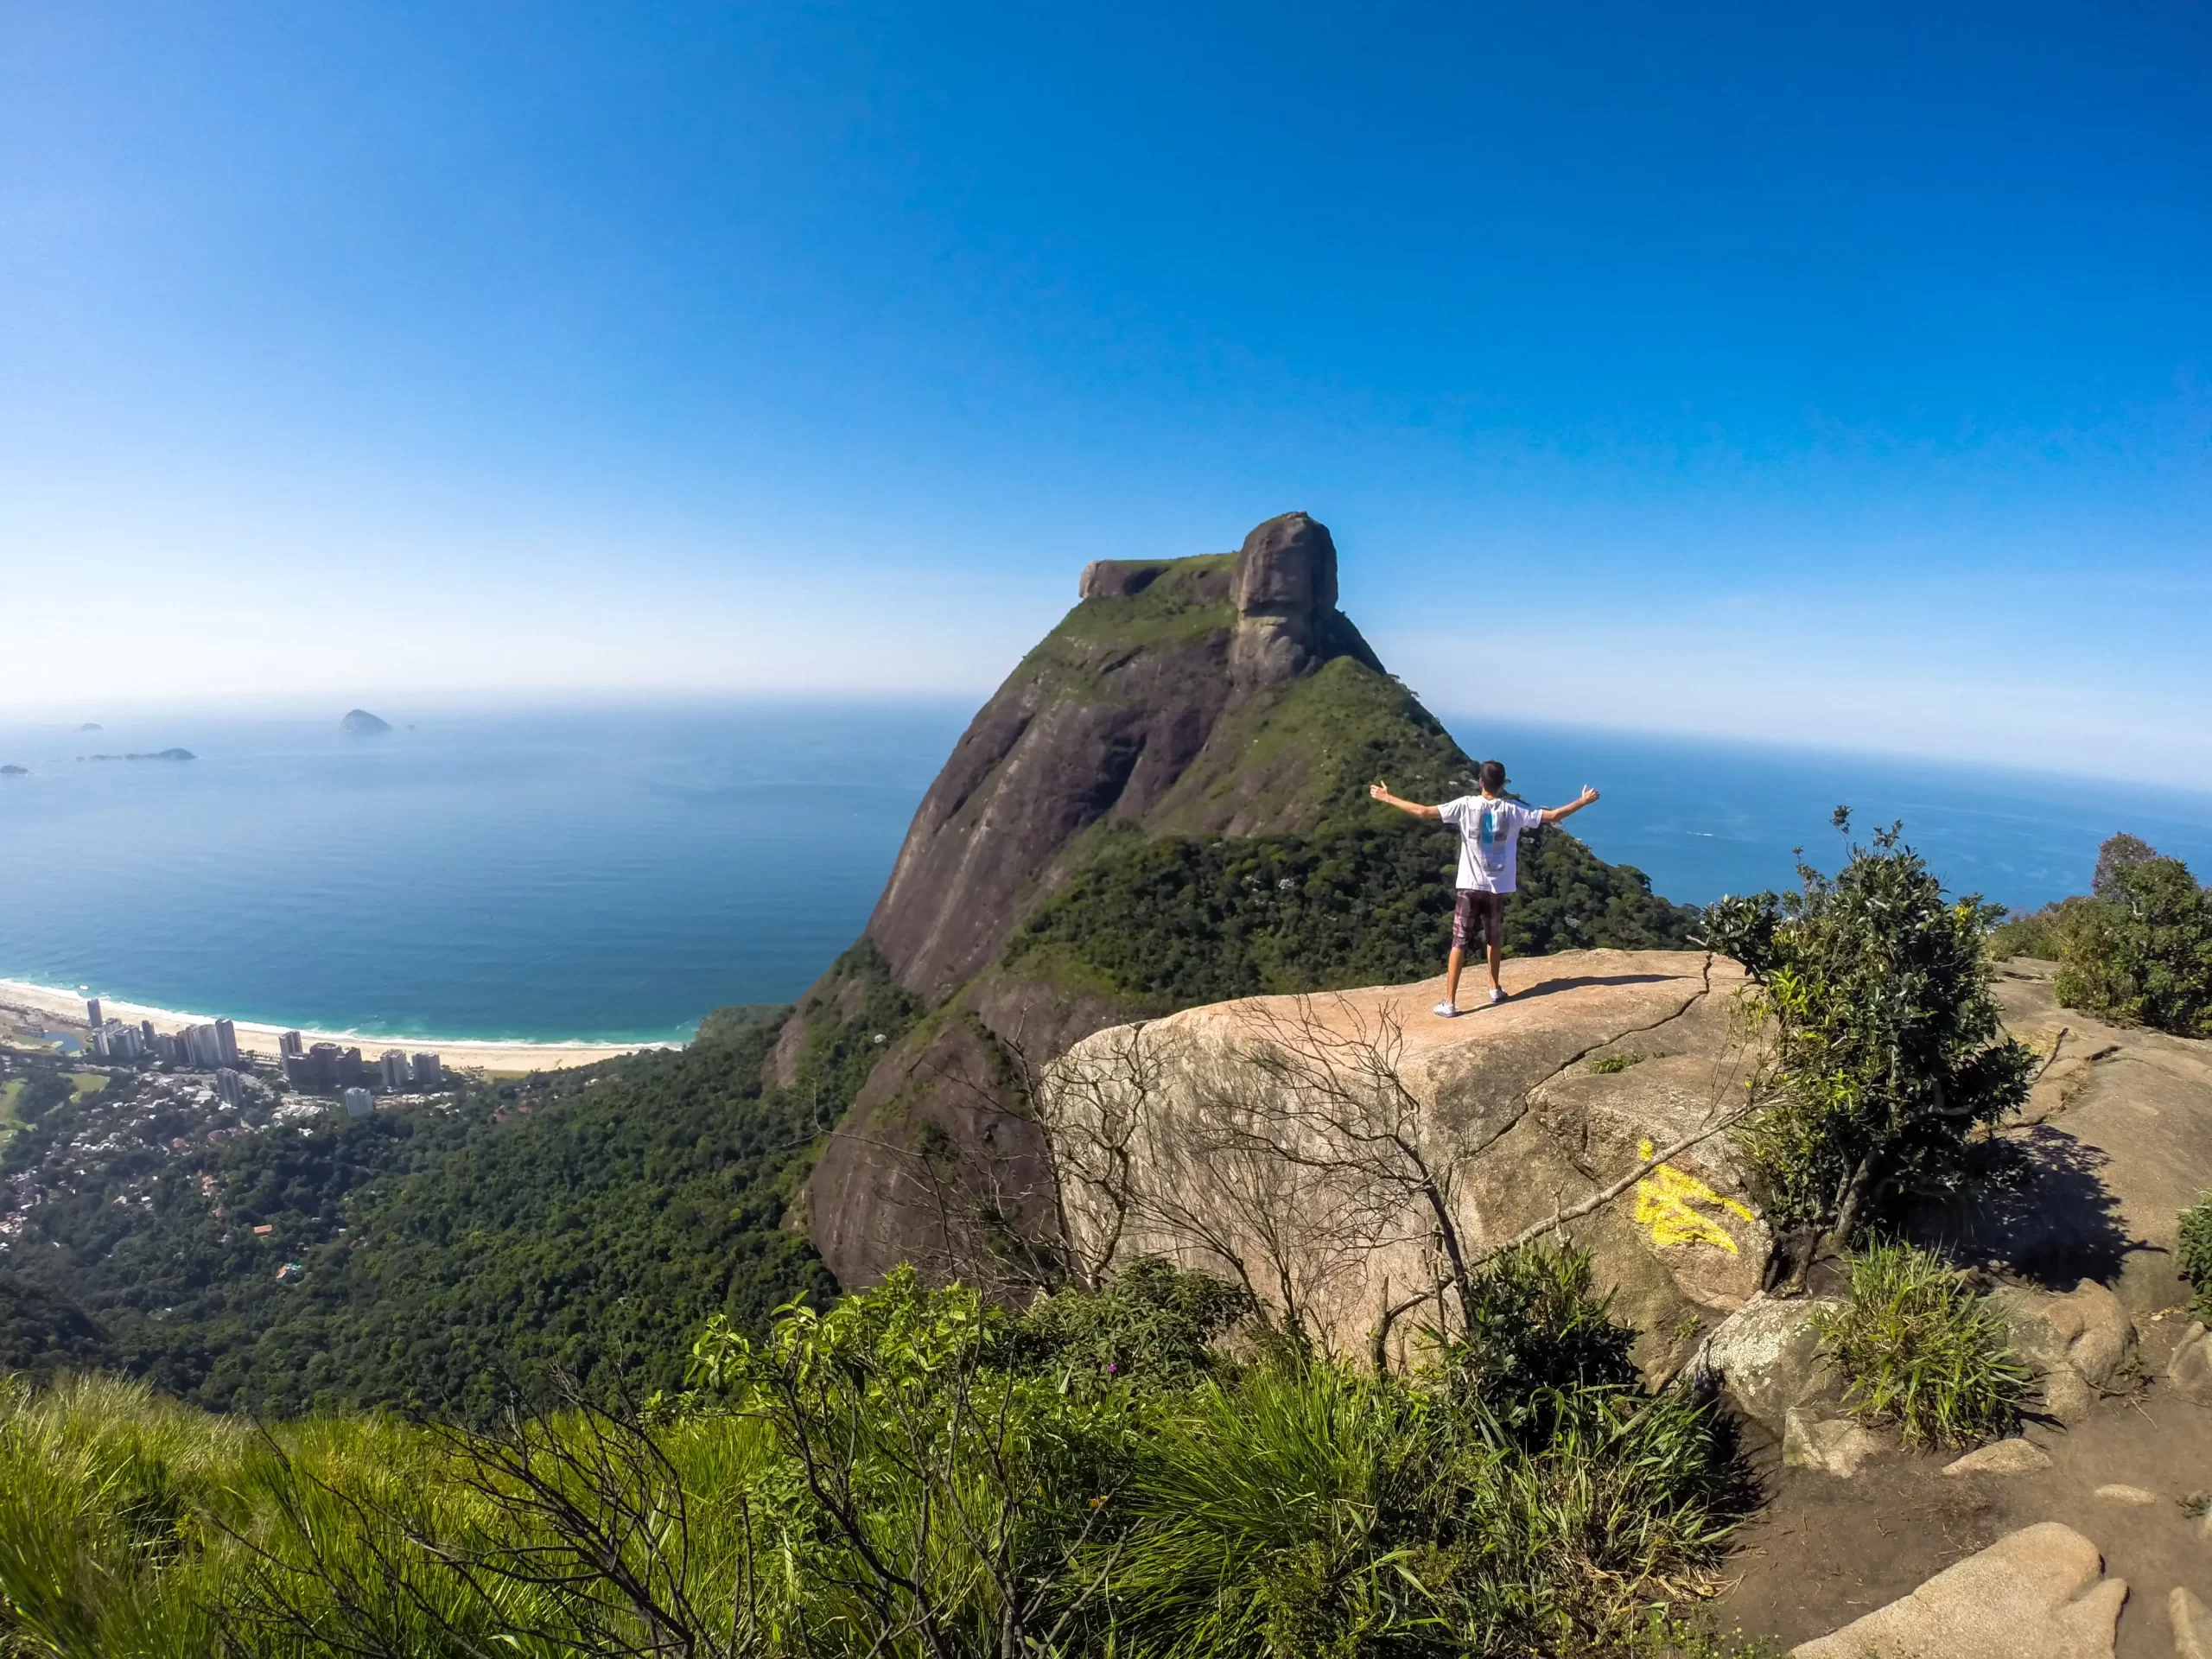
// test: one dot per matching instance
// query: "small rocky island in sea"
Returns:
(90, 726)
(359, 722)
(158, 754)
(15, 772)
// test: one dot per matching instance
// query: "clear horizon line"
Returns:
(554, 698)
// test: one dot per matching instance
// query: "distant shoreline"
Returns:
(62, 1009)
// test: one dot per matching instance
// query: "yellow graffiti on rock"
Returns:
(1666, 1203)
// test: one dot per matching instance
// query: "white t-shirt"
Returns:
(1490, 839)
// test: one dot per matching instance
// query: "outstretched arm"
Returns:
(1382, 792)
(1553, 814)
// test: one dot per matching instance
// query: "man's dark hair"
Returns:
(1492, 774)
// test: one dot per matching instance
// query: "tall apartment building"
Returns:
(146, 1035)
(359, 1103)
(93, 1013)
(289, 1044)
(394, 1067)
(430, 1072)
(226, 1041)
(204, 1046)
(231, 1086)
(117, 1041)
(324, 1066)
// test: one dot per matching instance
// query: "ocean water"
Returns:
(606, 873)
(614, 872)
(1704, 819)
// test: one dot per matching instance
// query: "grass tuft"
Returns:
(2195, 1254)
(1917, 1348)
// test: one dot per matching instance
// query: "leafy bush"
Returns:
(2141, 951)
(1537, 1333)
(1153, 1328)
(2118, 855)
(2038, 934)
(1917, 1348)
(1889, 1052)
(2195, 1254)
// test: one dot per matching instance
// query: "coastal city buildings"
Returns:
(326, 1066)
(212, 1045)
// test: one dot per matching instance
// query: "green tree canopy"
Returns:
(1888, 1051)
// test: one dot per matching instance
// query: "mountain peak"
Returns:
(1285, 591)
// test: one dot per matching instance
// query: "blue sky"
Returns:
(1839, 375)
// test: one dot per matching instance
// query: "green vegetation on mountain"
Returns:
(1193, 920)
(1186, 601)
(42, 1331)
(911, 1475)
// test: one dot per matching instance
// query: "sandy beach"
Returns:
(44, 1008)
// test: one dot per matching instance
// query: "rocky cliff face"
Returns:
(1214, 704)
(1252, 1146)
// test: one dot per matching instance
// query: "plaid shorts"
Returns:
(1475, 911)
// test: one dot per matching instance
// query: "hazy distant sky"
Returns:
(1835, 373)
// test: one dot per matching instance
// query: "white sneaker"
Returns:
(1445, 1011)
(1497, 993)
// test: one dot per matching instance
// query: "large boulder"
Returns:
(2038, 1593)
(1118, 578)
(2192, 1625)
(1285, 591)
(1303, 1144)
(1767, 1355)
(2189, 1369)
(2078, 1341)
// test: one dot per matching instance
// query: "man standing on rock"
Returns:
(1489, 829)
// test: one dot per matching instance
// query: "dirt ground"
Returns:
(1824, 1551)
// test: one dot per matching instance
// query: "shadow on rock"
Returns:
(1550, 987)
(2057, 1223)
